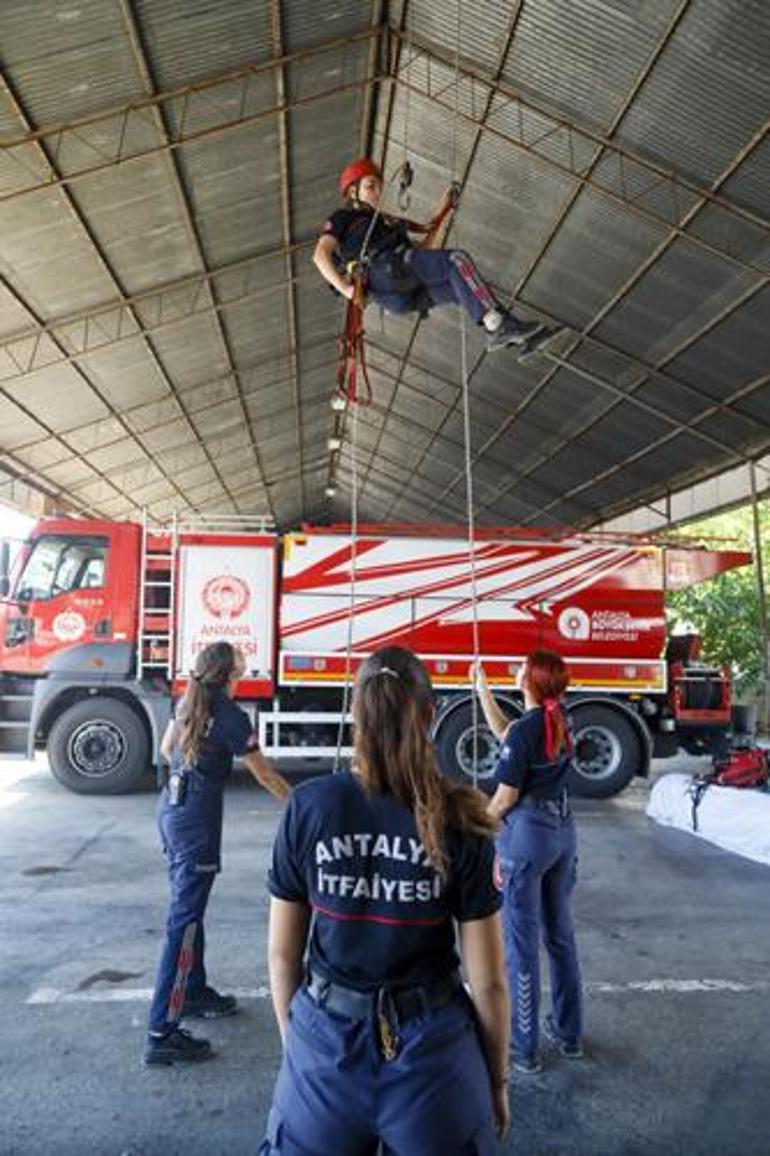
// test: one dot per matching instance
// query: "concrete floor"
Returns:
(674, 936)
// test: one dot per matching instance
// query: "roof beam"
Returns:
(210, 291)
(627, 160)
(177, 181)
(276, 34)
(79, 217)
(125, 126)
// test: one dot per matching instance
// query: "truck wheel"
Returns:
(608, 751)
(99, 746)
(454, 747)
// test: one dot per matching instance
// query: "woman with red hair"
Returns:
(403, 278)
(537, 852)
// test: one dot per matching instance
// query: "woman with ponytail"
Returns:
(537, 850)
(374, 870)
(200, 743)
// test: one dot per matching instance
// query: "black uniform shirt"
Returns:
(229, 732)
(350, 226)
(523, 762)
(381, 913)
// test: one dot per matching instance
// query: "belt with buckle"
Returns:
(404, 1003)
(559, 807)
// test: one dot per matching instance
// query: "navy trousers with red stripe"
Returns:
(191, 837)
(449, 276)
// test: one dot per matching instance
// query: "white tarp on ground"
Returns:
(737, 820)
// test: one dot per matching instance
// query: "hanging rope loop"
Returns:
(352, 374)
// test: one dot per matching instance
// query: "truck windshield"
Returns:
(58, 564)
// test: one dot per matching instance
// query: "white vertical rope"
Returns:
(456, 117)
(353, 561)
(471, 533)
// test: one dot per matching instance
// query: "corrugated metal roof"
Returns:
(190, 349)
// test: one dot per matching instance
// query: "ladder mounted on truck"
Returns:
(155, 633)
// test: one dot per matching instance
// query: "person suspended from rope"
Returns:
(363, 250)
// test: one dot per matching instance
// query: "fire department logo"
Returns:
(69, 626)
(226, 596)
(574, 623)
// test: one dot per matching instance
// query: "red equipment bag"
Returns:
(742, 768)
(749, 767)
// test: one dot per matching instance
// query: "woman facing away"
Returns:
(537, 850)
(372, 872)
(209, 730)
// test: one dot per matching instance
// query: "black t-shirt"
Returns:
(381, 913)
(350, 227)
(228, 733)
(523, 762)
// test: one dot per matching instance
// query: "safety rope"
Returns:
(456, 117)
(469, 501)
(352, 601)
(407, 173)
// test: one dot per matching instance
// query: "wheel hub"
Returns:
(486, 753)
(598, 752)
(96, 748)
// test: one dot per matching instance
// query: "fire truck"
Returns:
(100, 623)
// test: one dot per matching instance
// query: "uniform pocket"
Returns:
(321, 1031)
(279, 1141)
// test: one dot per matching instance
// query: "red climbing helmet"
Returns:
(356, 171)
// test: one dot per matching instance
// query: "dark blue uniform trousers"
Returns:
(538, 864)
(448, 275)
(336, 1096)
(191, 837)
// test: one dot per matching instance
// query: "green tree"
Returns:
(725, 611)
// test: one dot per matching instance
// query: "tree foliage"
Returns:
(725, 611)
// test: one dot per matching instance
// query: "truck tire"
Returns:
(99, 746)
(454, 748)
(608, 751)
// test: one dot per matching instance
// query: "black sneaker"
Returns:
(539, 341)
(529, 1065)
(210, 1006)
(177, 1047)
(572, 1049)
(511, 331)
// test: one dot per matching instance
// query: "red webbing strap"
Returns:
(352, 351)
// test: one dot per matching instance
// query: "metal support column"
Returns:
(763, 623)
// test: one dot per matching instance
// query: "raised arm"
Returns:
(482, 948)
(287, 937)
(497, 721)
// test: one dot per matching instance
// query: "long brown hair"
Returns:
(392, 712)
(546, 677)
(213, 669)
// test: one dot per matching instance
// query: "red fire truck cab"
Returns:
(100, 623)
